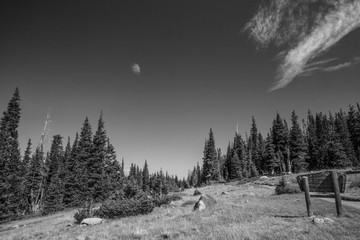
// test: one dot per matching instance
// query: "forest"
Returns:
(322, 141)
(88, 169)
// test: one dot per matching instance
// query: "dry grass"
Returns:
(246, 211)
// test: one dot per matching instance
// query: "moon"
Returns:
(136, 69)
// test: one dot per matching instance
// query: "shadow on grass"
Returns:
(289, 216)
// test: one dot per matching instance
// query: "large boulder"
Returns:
(91, 221)
(204, 201)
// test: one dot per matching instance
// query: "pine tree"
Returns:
(11, 187)
(56, 157)
(298, 154)
(35, 181)
(122, 173)
(54, 188)
(279, 134)
(26, 159)
(353, 122)
(227, 163)
(83, 192)
(145, 177)
(95, 164)
(71, 188)
(343, 135)
(211, 169)
(113, 176)
(254, 148)
(311, 140)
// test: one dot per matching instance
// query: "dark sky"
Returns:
(198, 70)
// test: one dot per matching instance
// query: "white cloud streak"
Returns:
(321, 33)
(342, 65)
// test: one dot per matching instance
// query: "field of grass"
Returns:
(248, 211)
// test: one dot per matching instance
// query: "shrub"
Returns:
(355, 184)
(166, 200)
(86, 212)
(81, 215)
(285, 188)
(130, 201)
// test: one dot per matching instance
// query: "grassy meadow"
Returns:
(247, 211)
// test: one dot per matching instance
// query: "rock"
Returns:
(318, 220)
(91, 221)
(224, 193)
(197, 192)
(15, 226)
(204, 202)
(263, 178)
(328, 220)
(199, 205)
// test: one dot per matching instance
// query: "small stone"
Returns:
(91, 221)
(328, 220)
(16, 226)
(318, 220)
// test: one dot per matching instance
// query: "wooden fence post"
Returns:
(338, 204)
(307, 195)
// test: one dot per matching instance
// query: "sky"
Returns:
(163, 72)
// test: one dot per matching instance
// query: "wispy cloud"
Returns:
(342, 65)
(311, 36)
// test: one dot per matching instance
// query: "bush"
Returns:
(130, 201)
(355, 184)
(285, 188)
(86, 212)
(81, 215)
(166, 200)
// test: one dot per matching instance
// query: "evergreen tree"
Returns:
(11, 187)
(311, 140)
(54, 189)
(96, 163)
(145, 177)
(35, 181)
(122, 173)
(113, 176)
(279, 134)
(27, 158)
(56, 157)
(211, 169)
(71, 184)
(84, 149)
(254, 148)
(353, 122)
(343, 136)
(298, 151)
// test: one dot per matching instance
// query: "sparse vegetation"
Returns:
(249, 211)
(130, 201)
(286, 187)
(355, 184)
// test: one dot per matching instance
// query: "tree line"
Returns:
(86, 170)
(322, 141)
